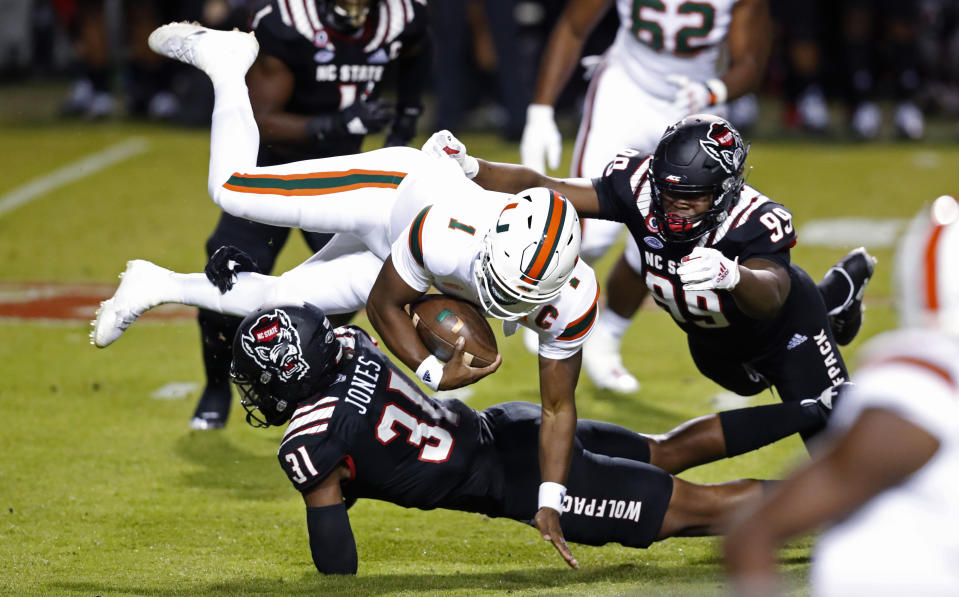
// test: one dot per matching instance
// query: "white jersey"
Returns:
(441, 248)
(670, 37)
(904, 541)
(630, 102)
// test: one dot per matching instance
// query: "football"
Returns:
(440, 320)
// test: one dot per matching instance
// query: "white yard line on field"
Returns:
(71, 172)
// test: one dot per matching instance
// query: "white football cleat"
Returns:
(212, 51)
(604, 365)
(129, 301)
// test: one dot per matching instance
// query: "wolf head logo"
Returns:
(274, 344)
(723, 145)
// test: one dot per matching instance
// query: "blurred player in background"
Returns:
(865, 25)
(666, 62)
(314, 89)
(887, 482)
(716, 255)
(357, 427)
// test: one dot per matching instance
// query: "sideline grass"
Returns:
(105, 491)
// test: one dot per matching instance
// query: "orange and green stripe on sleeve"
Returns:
(416, 235)
(315, 183)
(578, 328)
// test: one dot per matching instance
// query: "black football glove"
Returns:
(225, 264)
(404, 127)
(362, 118)
(359, 118)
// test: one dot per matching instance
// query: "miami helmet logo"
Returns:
(722, 144)
(274, 344)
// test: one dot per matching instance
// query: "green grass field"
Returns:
(106, 491)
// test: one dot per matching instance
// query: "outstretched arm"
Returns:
(331, 537)
(861, 464)
(510, 178)
(557, 386)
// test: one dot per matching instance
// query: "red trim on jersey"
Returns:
(348, 461)
(917, 362)
(580, 146)
(932, 249)
(748, 210)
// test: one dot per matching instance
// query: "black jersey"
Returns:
(331, 70)
(401, 445)
(755, 227)
(408, 449)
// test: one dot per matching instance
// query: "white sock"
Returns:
(234, 138)
(612, 323)
(249, 293)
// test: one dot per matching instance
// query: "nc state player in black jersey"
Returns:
(359, 428)
(314, 90)
(714, 253)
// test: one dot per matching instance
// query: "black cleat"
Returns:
(213, 409)
(857, 267)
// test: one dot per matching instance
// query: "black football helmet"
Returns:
(282, 355)
(699, 154)
(344, 16)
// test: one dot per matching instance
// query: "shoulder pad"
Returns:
(625, 176)
(393, 19)
(757, 221)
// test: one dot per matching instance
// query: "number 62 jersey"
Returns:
(756, 227)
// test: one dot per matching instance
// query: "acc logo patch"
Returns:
(274, 344)
(653, 242)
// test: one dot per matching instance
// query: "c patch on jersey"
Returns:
(720, 143)
(652, 224)
(274, 344)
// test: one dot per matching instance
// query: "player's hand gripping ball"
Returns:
(440, 320)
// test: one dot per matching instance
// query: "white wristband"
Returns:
(470, 166)
(539, 112)
(430, 372)
(718, 91)
(552, 495)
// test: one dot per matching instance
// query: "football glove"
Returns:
(443, 145)
(693, 96)
(225, 264)
(540, 138)
(359, 118)
(404, 127)
(362, 118)
(708, 269)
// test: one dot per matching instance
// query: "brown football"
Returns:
(440, 320)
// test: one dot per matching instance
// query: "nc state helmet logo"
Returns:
(274, 344)
(723, 145)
